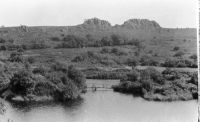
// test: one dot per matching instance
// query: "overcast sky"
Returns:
(168, 13)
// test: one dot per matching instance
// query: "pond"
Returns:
(104, 106)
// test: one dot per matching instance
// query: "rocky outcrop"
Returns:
(96, 23)
(141, 24)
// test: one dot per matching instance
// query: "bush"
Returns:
(105, 50)
(194, 57)
(63, 87)
(117, 51)
(2, 40)
(22, 83)
(147, 84)
(31, 60)
(116, 39)
(132, 62)
(72, 41)
(179, 54)
(170, 74)
(10, 47)
(78, 58)
(148, 61)
(44, 88)
(194, 78)
(38, 45)
(106, 41)
(179, 63)
(55, 39)
(3, 47)
(59, 81)
(155, 75)
(133, 76)
(129, 87)
(16, 57)
(40, 70)
(176, 48)
(77, 77)
(59, 67)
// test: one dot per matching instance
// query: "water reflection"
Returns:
(28, 106)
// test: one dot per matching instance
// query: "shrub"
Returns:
(155, 75)
(132, 62)
(147, 84)
(170, 74)
(11, 41)
(129, 87)
(2, 40)
(43, 88)
(179, 63)
(105, 50)
(170, 63)
(179, 54)
(38, 45)
(176, 48)
(22, 83)
(77, 76)
(39, 70)
(55, 39)
(16, 57)
(194, 57)
(72, 41)
(194, 78)
(133, 75)
(78, 58)
(91, 54)
(31, 59)
(63, 87)
(57, 66)
(148, 61)
(10, 47)
(116, 39)
(117, 51)
(106, 41)
(3, 47)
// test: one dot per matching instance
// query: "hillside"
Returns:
(133, 38)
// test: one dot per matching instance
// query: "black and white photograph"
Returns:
(99, 60)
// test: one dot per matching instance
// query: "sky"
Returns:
(168, 13)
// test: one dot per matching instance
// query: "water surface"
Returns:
(104, 106)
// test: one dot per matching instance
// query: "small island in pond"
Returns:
(56, 82)
(168, 85)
